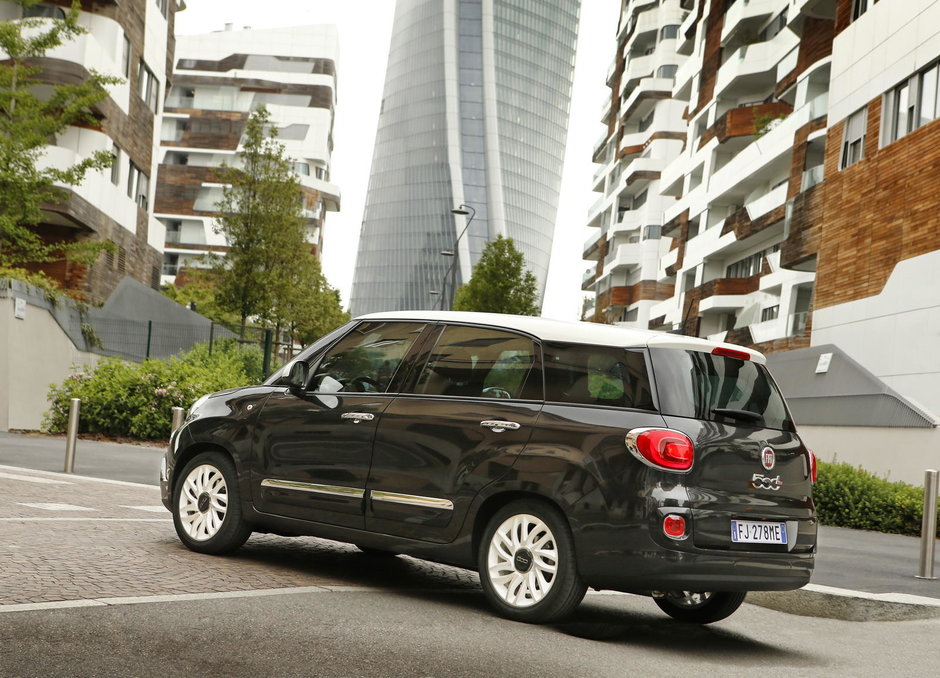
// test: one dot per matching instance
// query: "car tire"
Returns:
(527, 563)
(700, 607)
(207, 512)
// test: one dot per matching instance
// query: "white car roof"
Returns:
(569, 331)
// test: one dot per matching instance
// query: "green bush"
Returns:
(136, 401)
(846, 496)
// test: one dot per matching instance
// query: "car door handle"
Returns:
(357, 416)
(499, 426)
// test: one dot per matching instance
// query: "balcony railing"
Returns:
(813, 176)
(797, 323)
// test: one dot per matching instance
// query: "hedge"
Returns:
(123, 399)
(847, 496)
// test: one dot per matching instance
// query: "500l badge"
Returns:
(761, 482)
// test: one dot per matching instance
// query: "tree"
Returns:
(260, 217)
(269, 273)
(32, 112)
(500, 282)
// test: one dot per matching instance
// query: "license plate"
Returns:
(758, 532)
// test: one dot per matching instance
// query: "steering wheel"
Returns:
(496, 392)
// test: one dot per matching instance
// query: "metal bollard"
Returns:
(178, 413)
(929, 526)
(71, 435)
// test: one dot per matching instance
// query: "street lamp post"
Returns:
(462, 210)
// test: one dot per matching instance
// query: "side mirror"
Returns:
(297, 377)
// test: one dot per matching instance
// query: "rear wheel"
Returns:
(206, 509)
(527, 563)
(700, 607)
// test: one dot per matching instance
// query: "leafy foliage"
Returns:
(846, 496)
(200, 288)
(500, 282)
(32, 112)
(126, 399)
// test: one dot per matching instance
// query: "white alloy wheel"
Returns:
(203, 502)
(689, 600)
(522, 561)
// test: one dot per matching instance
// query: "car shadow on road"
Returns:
(607, 622)
(608, 619)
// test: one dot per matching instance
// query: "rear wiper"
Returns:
(738, 414)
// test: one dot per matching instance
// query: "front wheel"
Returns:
(527, 563)
(700, 607)
(206, 509)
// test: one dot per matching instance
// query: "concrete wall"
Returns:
(894, 334)
(894, 453)
(34, 353)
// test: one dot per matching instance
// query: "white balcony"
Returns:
(747, 14)
(624, 256)
(767, 202)
(638, 67)
(750, 65)
(592, 241)
(629, 220)
(644, 89)
(682, 87)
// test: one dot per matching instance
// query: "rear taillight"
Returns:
(812, 465)
(661, 448)
(674, 526)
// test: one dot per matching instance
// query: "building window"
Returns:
(126, 57)
(859, 7)
(913, 103)
(148, 86)
(853, 138)
(43, 11)
(654, 232)
(115, 164)
(171, 264)
(670, 32)
(667, 71)
(302, 168)
(138, 185)
(750, 265)
(646, 122)
(776, 25)
(769, 313)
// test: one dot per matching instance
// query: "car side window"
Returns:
(597, 375)
(480, 363)
(365, 360)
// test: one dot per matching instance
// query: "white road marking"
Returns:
(32, 479)
(72, 476)
(150, 509)
(56, 507)
(86, 520)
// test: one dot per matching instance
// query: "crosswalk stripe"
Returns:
(33, 479)
(56, 507)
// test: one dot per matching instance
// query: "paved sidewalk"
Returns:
(859, 575)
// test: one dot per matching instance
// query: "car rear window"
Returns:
(597, 375)
(718, 388)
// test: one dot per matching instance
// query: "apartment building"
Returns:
(801, 207)
(219, 79)
(131, 39)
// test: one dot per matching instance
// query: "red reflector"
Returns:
(731, 353)
(662, 448)
(812, 465)
(674, 526)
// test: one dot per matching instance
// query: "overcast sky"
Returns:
(364, 32)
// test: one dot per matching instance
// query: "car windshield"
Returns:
(718, 388)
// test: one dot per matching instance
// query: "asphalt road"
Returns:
(116, 461)
(414, 633)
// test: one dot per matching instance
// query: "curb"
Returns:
(828, 602)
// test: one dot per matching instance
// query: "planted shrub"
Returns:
(847, 496)
(136, 400)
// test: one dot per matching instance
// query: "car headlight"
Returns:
(196, 405)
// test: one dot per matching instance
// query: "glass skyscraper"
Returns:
(475, 112)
